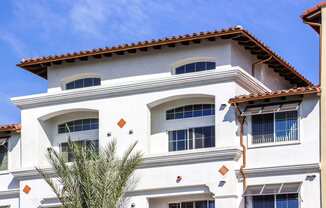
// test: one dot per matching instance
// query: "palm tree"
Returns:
(95, 179)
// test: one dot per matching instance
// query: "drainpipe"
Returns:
(244, 149)
(244, 153)
(259, 62)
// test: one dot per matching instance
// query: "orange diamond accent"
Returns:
(27, 189)
(122, 123)
(223, 170)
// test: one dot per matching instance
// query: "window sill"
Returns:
(253, 146)
(4, 172)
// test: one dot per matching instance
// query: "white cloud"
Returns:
(13, 42)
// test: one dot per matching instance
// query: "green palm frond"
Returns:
(95, 179)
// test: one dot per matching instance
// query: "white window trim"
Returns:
(189, 61)
(273, 144)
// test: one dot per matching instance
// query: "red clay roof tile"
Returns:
(10, 127)
(38, 65)
(275, 94)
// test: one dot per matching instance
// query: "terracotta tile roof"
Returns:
(314, 9)
(10, 127)
(312, 15)
(38, 65)
(275, 94)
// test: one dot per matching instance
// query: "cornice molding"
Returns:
(192, 157)
(9, 193)
(156, 161)
(149, 85)
(280, 170)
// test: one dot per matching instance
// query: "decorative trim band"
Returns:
(192, 157)
(281, 170)
(114, 90)
(10, 193)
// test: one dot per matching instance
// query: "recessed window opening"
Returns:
(81, 83)
(78, 125)
(195, 67)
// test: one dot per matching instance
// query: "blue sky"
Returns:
(43, 27)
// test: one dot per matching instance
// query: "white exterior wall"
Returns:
(139, 89)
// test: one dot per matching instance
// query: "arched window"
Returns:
(195, 67)
(78, 125)
(85, 82)
(188, 111)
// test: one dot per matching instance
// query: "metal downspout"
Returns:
(244, 153)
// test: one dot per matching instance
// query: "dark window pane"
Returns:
(201, 204)
(286, 126)
(86, 124)
(200, 66)
(187, 205)
(88, 82)
(263, 128)
(70, 85)
(174, 205)
(211, 204)
(94, 123)
(263, 201)
(97, 81)
(287, 201)
(180, 70)
(78, 125)
(210, 65)
(190, 68)
(70, 126)
(79, 83)
(198, 110)
(179, 113)
(170, 116)
(207, 110)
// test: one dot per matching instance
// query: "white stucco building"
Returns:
(205, 145)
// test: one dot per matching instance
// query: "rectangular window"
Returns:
(66, 151)
(193, 138)
(276, 201)
(275, 127)
(194, 204)
(3, 154)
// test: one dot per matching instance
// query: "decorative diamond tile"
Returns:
(27, 189)
(122, 123)
(223, 170)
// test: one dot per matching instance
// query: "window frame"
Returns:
(192, 60)
(83, 141)
(178, 204)
(83, 80)
(188, 131)
(59, 126)
(275, 198)
(193, 111)
(274, 143)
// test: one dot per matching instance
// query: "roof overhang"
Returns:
(300, 91)
(312, 16)
(10, 128)
(39, 65)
